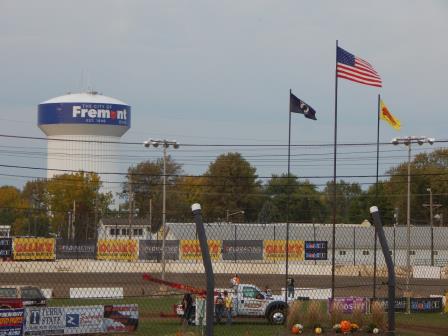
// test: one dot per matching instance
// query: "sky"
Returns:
(219, 73)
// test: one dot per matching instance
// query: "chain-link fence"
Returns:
(96, 286)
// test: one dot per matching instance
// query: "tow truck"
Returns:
(248, 300)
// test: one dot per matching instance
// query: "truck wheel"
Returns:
(277, 315)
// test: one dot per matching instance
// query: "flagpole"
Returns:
(376, 193)
(288, 201)
(333, 249)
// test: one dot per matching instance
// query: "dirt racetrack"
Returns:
(134, 285)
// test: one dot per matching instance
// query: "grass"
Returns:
(152, 324)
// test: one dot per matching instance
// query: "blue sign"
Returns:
(11, 322)
(316, 250)
(72, 320)
(426, 305)
(84, 113)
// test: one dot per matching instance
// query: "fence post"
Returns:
(390, 269)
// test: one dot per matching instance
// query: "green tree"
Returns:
(428, 170)
(79, 193)
(13, 210)
(145, 183)
(304, 199)
(231, 185)
(350, 202)
(35, 192)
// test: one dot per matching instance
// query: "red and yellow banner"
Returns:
(389, 117)
(275, 250)
(34, 248)
(117, 249)
(191, 250)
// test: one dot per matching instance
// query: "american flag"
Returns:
(356, 69)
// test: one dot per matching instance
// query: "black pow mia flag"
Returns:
(299, 106)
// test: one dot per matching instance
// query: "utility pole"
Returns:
(431, 205)
(130, 208)
(73, 220)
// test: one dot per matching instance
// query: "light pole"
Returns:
(431, 206)
(408, 141)
(165, 144)
(228, 215)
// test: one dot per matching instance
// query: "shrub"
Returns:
(314, 315)
(336, 313)
(378, 316)
(295, 314)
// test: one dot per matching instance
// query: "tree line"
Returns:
(229, 190)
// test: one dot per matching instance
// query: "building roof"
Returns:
(347, 237)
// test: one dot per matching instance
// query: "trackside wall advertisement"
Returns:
(152, 249)
(117, 249)
(11, 322)
(5, 247)
(242, 250)
(34, 248)
(191, 250)
(276, 250)
(75, 250)
(44, 321)
(64, 320)
(84, 113)
(120, 318)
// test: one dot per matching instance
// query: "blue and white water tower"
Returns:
(82, 131)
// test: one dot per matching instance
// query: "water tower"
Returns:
(81, 129)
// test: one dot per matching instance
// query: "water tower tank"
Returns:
(81, 129)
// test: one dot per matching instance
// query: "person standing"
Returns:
(228, 306)
(290, 287)
(219, 308)
(187, 306)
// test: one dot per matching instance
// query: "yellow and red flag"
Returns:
(386, 115)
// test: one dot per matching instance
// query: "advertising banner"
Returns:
(75, 250)
(349, 304)
(152, 250)
(242, 250)
(400, 304)
(84, 320)
(275, 250)
(426, 305)
(11, 322)
(84, 113)
(120, 318)
(5, 247)
(33, 248)
(44, 321)
(316, 250)
(190, 249)
(117, 249)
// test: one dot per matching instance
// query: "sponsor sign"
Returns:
(83, 320)
(191, 250)
(120, 318)
(152, 249)
(75, 250)
(276, 250)
(117, 249)
(5, 247)
(84, 113)
(349, 304)
(11, 322)
(426, 305)
(33, 248)
(400, 304)
(44, 321)
(316, 250)
(242, 250)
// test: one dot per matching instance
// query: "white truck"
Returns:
(250, 301)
